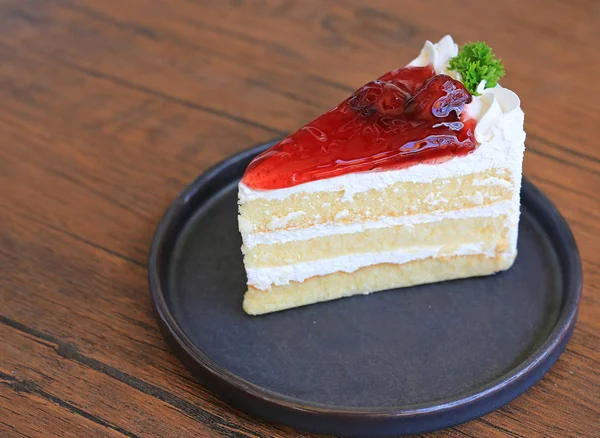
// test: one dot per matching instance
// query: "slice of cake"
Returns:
(413, 179)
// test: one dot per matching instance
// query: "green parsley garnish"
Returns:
(475, 62)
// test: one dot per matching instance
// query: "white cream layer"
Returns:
(331, 229)
(265, 278)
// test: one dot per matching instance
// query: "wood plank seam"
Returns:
(69, 351)
(13, 429)
(30, 388)
(536, 151)
(115, 80)
(85, 241)
(495, 426)
(558, 146)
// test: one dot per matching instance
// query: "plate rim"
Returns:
(223, 382)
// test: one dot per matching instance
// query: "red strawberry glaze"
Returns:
(408, 116)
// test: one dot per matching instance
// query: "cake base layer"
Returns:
(372, 279)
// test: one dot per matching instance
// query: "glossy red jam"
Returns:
(406, 117)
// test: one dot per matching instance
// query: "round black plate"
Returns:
(397, 362)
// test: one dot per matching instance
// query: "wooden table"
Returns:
(110, 107)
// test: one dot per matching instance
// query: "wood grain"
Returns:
(110, 107)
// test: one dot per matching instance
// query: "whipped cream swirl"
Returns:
(492, 109)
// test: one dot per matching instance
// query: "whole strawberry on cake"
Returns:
(415, 178)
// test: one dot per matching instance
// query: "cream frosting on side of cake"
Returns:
(500, 136)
